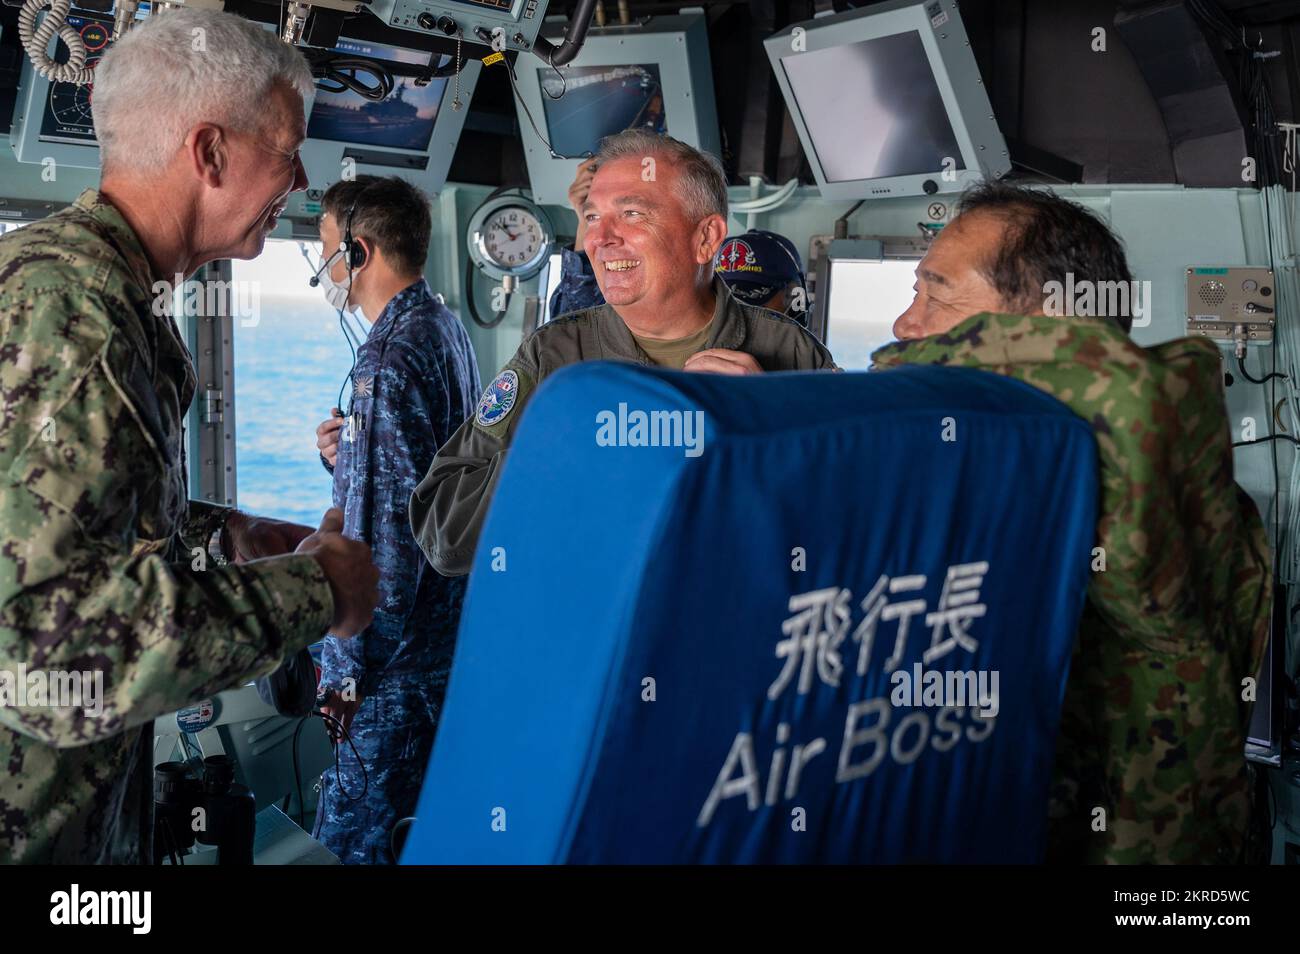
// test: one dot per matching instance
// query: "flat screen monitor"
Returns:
(402, 120)
(888, 101)
(67, 109)
(412, 132)
(593, 102)
(653, 75)
(899, 101)
(53, 120)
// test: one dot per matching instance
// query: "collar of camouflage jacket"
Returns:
(1182, 547)
(727, 324)
(123, 237)
(989, 339)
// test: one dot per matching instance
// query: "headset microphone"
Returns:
(315, 279)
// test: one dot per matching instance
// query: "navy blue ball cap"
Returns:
(757, 264)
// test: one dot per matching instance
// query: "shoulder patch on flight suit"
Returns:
(498, 399)
(501, 399)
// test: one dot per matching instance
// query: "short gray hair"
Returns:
(703, 188)
(182, 67)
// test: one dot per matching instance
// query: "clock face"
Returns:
(513, 237)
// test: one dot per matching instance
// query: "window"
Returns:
(550, 281)
(865, 298)
(290, 360)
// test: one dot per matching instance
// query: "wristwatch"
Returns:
(215, 551)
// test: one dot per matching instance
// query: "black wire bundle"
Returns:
(489, 323)
(335, 73)
(1241, 366)
(1262, 134)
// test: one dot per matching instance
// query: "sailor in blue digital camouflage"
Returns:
(577, 289)
(105, 566)
(414, 383)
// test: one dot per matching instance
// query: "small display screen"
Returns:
(403, 120)
(67, 107)
(503, 5)
(873, 109)
(598, 101)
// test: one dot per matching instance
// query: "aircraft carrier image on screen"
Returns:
(596, 101)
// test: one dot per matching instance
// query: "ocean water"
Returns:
(289, 366)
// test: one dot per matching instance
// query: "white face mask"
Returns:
(335, 293)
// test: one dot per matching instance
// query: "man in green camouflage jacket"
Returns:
(1179, 603)
(105, 582)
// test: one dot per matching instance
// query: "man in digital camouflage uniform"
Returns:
(104, 567)
(415, 382)
(655, 218)
(1154, 723)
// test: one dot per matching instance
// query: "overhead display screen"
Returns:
(67, 107)
(873, 109)
(403, 120)
(597, 101)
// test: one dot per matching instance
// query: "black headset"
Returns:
(354, 253)
(354, 256)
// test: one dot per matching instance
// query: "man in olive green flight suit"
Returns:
(655, 217)
(107, 592)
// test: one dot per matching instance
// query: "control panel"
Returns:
(500, 24)
(1231, 303)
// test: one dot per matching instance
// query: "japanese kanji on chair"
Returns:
(781, 618)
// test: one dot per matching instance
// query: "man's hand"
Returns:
(341, 709)
(578, 195)
(722, 361)
(327, 436)
(353, 577)
(251, 538)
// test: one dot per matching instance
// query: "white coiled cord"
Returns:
(36, 39)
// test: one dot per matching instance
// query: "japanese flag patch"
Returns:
(498, 399)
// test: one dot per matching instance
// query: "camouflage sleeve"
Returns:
(202, 519)
(80, 593)
(449, 505)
